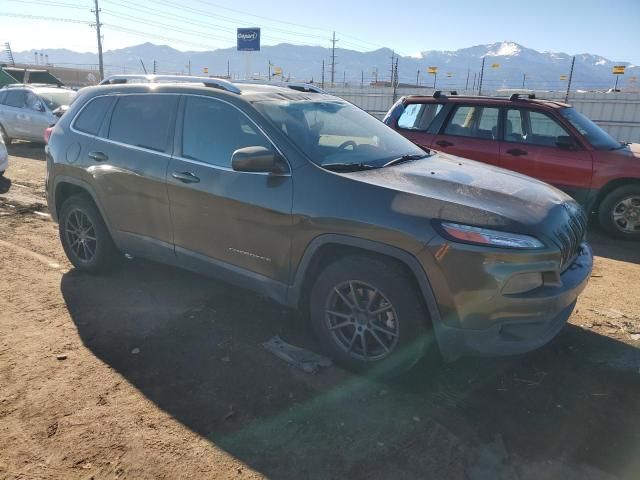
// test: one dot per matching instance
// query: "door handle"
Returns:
(98, 156)
(516, 152)
(444, 143)
(185, 177)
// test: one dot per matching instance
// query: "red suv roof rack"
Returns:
(438, 93)
(516, 96)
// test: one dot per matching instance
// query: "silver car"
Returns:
(4, 158)
(27, 110)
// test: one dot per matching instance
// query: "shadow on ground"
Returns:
(574, 402)
(32, 150)
(605, 246)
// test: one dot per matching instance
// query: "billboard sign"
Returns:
(248, 39)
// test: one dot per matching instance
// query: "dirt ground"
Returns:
(153, 372)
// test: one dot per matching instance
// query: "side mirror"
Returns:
(567, 143)
(258, 160)
(58, 112)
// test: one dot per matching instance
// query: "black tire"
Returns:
(407, 317)
(5, 137)
(1, 173)
(98, 253)
(613, 203)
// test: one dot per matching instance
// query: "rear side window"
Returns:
(91, 117)
(213, 130)
(418, 116)
(15, 98)
(474, 121)
(143, 120)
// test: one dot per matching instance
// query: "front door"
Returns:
(225, 217)
(471, 131)
(128, 161)
(535, 144)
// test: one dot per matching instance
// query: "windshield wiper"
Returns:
(348, 167)
(406, 158)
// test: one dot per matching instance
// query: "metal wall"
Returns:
(616, 113)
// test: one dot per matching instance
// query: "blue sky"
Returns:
(588, 26)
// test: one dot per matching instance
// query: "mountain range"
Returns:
(507, 65)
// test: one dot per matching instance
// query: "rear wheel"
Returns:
(84, 235)
(368, 315)
(619, 212)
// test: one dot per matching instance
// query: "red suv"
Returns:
(544, 139)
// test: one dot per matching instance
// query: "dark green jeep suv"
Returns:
(307, 199)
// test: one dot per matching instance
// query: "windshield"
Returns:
(598, 138)
(55, 99)
(331, 132)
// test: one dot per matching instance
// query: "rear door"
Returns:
(471, 131)
(128, 161)
(537, 145)
(219, 215)
(418, 122)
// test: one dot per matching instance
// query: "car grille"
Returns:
(570, 236)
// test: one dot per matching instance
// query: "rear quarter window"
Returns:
(92, 115)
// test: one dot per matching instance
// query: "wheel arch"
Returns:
(65, 187)
(329, 247)
(610, 187)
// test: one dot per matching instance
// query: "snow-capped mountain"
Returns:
(507, 64)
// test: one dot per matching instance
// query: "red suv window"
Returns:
(474, 121)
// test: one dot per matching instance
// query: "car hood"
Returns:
(460, 190)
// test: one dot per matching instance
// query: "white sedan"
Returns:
(4, 158)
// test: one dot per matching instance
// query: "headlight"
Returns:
(484, 236)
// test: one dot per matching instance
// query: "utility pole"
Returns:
(375, 74)
(393, 68)
(435, 77)
(466, 85)
(269, 79)
(333, 58)
(155, 67)
(322, 73)
(395, 82)
(189, 66)
(566, 97)
(481, 78)
(344, 78)
(98, 25)
(474, 81)
(418, 79)
(524, 77)
(228, 70)
(362, 79)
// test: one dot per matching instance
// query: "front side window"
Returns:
(330, 131)
(144, 120)
(542, 130)
(212, 130)
(598, 138)
(90, 119)
(15, 98)
(474, 121)
(33, 102)
(418, 116)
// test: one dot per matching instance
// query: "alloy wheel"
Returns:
(81, 235)
(626, 215)
(361, 320)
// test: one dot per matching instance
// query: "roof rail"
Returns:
(438, 93)
(517, 96)
(206, 81)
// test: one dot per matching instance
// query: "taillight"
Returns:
(47, 134)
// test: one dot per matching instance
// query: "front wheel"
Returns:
(368, 315)
(84, 235)
(619, 212)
